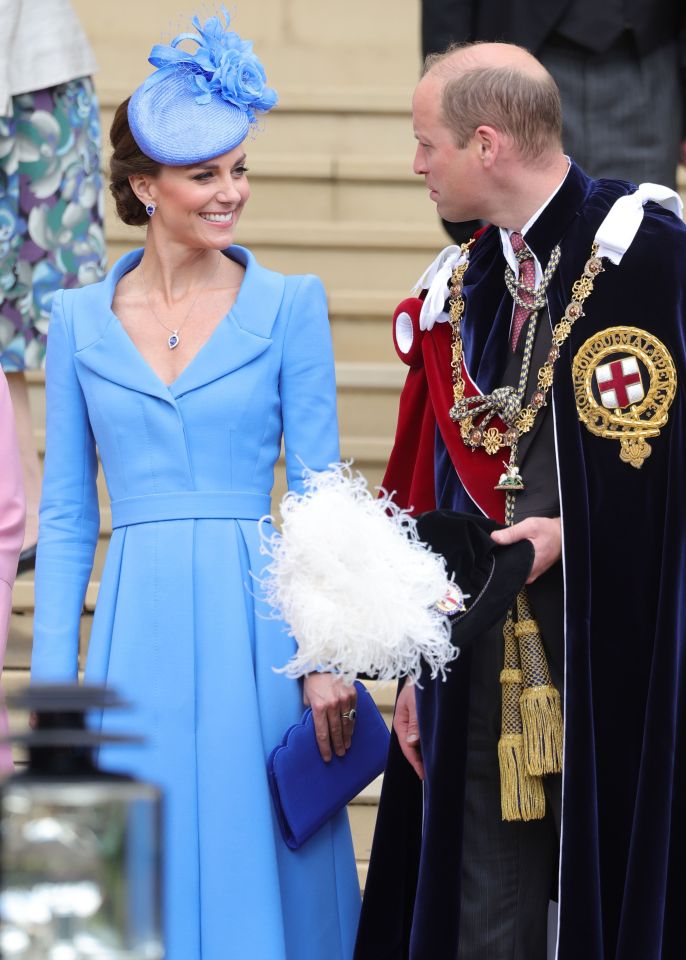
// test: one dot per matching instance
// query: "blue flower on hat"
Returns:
(222, 64)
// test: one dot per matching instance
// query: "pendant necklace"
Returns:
(174, 337)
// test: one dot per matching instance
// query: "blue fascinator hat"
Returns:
(199, 105)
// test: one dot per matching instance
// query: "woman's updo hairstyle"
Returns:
(127, 159)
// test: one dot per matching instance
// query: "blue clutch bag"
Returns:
(306, 790)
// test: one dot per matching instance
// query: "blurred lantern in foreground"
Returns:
(79, 847)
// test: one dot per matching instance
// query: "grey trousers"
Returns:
(621, 112)
(509, 870)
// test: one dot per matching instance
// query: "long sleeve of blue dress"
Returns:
(307, 385)
(69, 515)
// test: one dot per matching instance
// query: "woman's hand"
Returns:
(332, 701)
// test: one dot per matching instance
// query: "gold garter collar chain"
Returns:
(506, 401)
(531, 740)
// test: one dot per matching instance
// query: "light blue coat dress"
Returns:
(179, 628)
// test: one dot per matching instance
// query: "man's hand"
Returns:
(407, 729)
(545, 534)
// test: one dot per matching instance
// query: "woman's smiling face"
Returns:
(200, 205)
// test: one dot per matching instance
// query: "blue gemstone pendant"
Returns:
(173, 340)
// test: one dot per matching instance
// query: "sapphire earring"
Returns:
(150, 208)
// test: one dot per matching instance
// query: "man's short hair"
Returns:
(515, 102)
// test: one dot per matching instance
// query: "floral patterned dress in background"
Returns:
(51, 212)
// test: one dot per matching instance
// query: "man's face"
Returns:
(453, 175)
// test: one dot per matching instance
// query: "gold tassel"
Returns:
(521, 795)
(542, 721)
(540, 701)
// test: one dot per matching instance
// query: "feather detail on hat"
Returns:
(354, 583)
(223, 63)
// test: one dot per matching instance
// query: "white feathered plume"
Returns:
(354, 583)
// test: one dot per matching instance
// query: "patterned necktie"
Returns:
(527, 276)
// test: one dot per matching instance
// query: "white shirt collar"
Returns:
(505, 235)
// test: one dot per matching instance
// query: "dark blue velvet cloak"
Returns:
(623, 846)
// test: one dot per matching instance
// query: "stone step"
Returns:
(362, 822)
(339, 167)
(361, 327)
(337, 202)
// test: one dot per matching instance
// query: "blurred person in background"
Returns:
(11, 534)
(620, 67)
(51, 204)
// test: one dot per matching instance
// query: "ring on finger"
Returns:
(350, 714)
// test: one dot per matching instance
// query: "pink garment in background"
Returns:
(12, 512)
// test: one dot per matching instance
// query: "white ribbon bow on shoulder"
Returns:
(617, 231)
(436, 280)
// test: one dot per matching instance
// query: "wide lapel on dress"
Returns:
(244, 333)
(102, 344)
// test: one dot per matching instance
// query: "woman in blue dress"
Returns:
(185, 367)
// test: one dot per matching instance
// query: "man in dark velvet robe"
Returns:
(449, 880)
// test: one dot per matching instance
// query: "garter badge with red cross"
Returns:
(624, 383)
(619, 383)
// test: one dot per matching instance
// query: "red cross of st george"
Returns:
(618, 382)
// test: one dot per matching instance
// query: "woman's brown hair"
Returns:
(127, 159)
